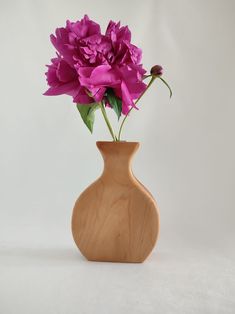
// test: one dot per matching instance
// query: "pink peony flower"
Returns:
(89, 63)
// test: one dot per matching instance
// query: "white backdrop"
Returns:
(186, 159)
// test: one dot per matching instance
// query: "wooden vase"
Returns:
(116, 218)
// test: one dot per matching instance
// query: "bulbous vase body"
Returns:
(116, 219)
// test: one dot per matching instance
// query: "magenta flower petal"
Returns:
(65, 73)
(80, 96)
(60, 89)
(62, 45)
(83, 28)
(127, 101)
(100, 76)
(117, 33)
(84, 71)
(98, 93)
(131, 77)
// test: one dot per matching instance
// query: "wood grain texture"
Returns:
(116, 218)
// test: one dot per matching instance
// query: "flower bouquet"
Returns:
(99, 70)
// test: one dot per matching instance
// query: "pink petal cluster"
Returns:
(88, 63)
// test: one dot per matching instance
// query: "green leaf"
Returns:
(114, 102)
(87, 114)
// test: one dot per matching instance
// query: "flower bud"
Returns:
(156, 70)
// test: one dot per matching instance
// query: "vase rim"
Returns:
(117, 142)
(123, 148)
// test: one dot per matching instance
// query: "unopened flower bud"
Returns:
(156, 70)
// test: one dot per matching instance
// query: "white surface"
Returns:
(57, 280)
(47, 158)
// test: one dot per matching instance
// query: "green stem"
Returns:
(107, 121)
(146, 76)
(167, 85)
(123, 121)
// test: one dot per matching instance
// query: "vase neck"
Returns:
(117, 158)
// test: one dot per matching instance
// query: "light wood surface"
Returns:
(116, 218)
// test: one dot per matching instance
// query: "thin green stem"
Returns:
(146, 76)
(167, 85)
(123, 121)
(107, 121)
